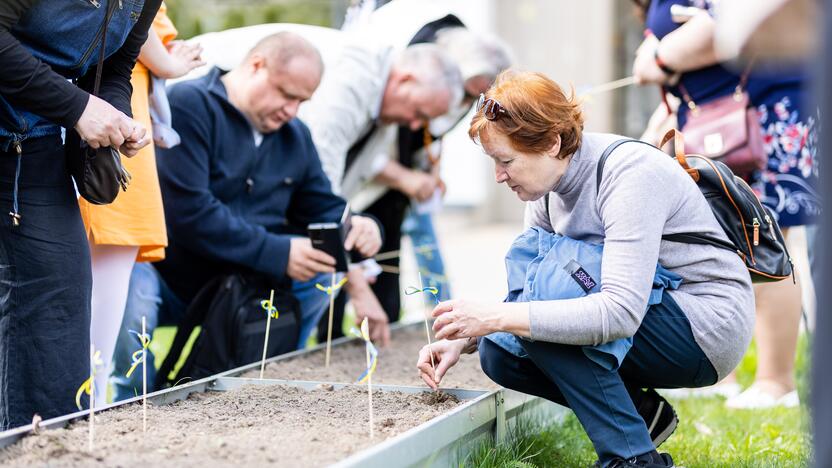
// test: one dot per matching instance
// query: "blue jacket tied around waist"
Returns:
(542, 266)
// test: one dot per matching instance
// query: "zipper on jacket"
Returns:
(756, 223)
(95, 41)
(96, 3)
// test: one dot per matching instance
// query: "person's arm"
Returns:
(689, 47)
(29, 83)
(415, 184)
(631, 250)
(118, 67)
(170, 63)
(194, 215)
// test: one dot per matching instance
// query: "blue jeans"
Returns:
(664, 355)
(151, 297)
(420, 229)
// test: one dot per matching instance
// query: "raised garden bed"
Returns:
(281, 423)
(396, 364)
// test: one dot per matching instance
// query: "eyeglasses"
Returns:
(490, 108)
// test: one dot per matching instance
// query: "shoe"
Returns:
(648, 460)
(725, 390)
(755, 398)
(658, 415)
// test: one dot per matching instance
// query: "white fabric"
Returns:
(111, 268)
(342, 111)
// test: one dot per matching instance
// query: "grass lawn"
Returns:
(709, 435)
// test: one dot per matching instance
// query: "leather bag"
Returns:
(726, 129)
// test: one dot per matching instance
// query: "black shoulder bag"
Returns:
(98, 173)
(233, 327)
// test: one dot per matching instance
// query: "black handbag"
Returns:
(98, 173)
(233, 327)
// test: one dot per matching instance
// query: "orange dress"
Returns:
(136, 217)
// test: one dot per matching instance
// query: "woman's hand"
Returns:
(645, 68)
(445, 355)
(458, 318)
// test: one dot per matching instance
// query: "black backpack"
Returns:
(233, 323)
(750, 227)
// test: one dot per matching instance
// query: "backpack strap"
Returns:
(687, 237)
(599, 172)
(702, 239)
(194, 316)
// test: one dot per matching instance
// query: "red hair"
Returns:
(536, 112)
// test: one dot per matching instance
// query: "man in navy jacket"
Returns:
(240, 190)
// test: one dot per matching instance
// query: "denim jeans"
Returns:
(45, 286)
(420, 229)
(151, 297)
(664, 355)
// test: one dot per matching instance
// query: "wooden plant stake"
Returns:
(140, 357)
(333, 287)
(372, 360)
(331, 293)
(432, 291)
(144, 376)
(271, 311)
(88, 387)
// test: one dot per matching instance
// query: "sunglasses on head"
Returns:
(490, 108)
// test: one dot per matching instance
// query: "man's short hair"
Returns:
(280, 48)
(433, 69)
(475, 54)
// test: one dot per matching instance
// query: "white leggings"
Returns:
(111, 268)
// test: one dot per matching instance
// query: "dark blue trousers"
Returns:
(45, 286)
(664, 355)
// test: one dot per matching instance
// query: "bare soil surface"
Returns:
(250, 426)
(396, 365)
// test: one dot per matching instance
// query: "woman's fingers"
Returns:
(442, 307)
(425, 369)
(447, 331)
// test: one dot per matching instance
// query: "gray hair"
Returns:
(434, 69)
(280, 48)
(475, 54)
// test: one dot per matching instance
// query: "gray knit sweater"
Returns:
(643, 195)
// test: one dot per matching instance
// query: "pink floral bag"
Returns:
(726, 129)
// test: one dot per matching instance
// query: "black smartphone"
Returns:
(330, 238)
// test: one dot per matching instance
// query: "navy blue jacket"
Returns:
(230, 205)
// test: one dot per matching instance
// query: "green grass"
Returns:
(709, 435)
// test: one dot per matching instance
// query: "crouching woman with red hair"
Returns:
(693, 337)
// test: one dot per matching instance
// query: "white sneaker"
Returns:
(725, 390)
(754, 398)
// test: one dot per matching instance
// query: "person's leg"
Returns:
(389, 211)
(776, 332)
(45, 285)
(111, 268)
(313, 303)
(664, 354)
(149, 297)
(426, 247)
(516, 373)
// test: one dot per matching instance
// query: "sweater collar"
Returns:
(574, 173)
